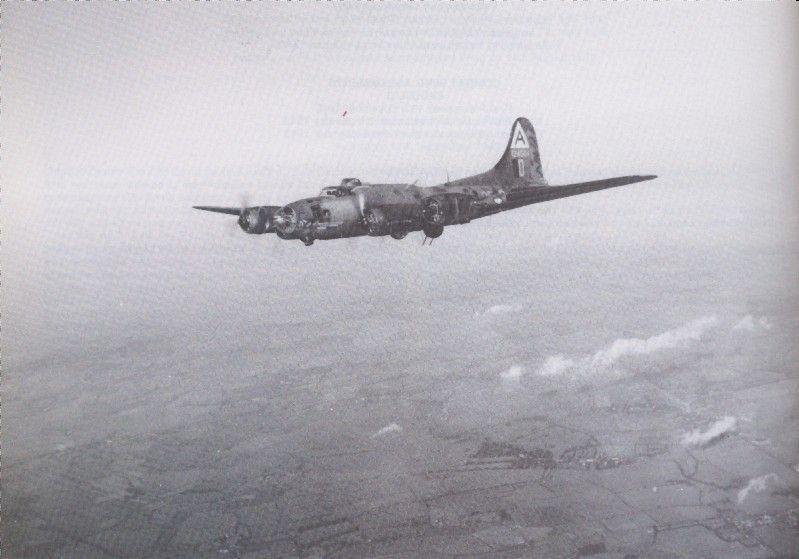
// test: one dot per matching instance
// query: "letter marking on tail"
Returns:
(519, 138)
(520, 145)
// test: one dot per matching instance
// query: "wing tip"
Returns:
(217, 209)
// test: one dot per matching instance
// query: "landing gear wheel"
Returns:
(308, 241)
(399, 235)
(433, 231)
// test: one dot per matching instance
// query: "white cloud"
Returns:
(499, 309)
(690, 332)
(748, 324)
(555, 365)
(390, 428)
(513, 374)
(756, 485)
(604, 359)
(698, 437)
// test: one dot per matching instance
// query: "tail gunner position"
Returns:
(353, 209)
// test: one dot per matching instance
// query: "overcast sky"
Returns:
(118, 117)
(187, 87)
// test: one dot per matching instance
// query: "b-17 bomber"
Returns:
(354, 208)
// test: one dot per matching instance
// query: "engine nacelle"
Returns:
(376, 222)
(388, 209)
(257, 220)
(447, 209)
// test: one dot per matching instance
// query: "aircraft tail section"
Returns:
(520, 164)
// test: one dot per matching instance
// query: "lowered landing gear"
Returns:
(432, 231)
(399, 235)
(307, 240)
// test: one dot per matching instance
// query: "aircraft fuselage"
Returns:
(381, 209)
(353, 209)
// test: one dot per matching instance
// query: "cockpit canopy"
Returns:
(333, 192)
(344, 189)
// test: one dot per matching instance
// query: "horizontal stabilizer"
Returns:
(545, 193)
(534, 195)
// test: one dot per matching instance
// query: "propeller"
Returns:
(255, 220)
(243, 213)
(360, 198)
(234, 228)
(366, 216)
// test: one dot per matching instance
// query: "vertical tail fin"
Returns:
(519, 166)
(521, 162)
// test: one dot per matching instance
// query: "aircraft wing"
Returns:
(254, 220)
(217, 209)
(533, 195)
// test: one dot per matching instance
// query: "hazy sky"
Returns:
(118, 117)
(227, 87)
